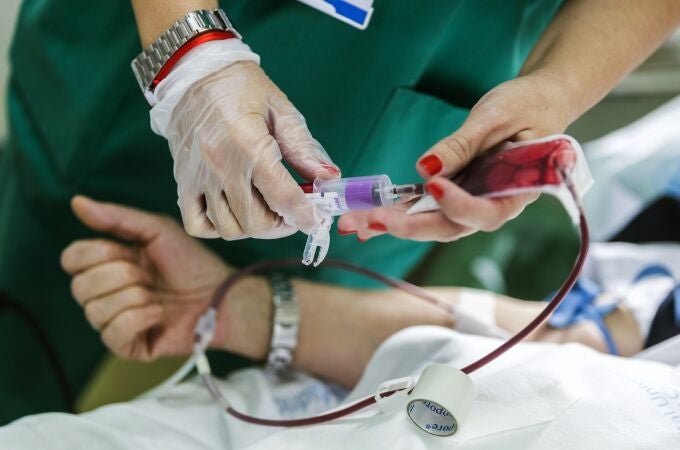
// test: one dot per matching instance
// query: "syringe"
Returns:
(336, 197)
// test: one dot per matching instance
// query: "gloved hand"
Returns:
(229, 127)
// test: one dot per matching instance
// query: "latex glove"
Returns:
(524, 108)
(229, 127)
(145, 288)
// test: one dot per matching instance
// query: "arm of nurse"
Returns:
(587, 49)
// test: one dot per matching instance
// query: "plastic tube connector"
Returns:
(318, 243)
(205, 328)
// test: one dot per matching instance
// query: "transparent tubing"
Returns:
(222, 290)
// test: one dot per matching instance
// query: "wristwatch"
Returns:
(285, 324)
(212, 24)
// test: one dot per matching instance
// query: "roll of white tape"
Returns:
(441, 400)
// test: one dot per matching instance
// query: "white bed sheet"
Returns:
(535, 397)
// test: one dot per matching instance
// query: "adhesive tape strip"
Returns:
(441, 400)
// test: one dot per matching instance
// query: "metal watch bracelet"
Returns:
(285, 323)
(148, 63)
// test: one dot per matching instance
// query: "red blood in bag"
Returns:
(532, 152)
(528, 176)
(499, 175)
(523, 166)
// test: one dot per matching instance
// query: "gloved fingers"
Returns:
(253, 146)
(304, 153)
(284, 196)
(221, 216)
(123, 335)
(254, 215)
(102, 310)
(193, 207)
(86, 253)
(279, 229)
(107, 278)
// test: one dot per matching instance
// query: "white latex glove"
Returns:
(228, 127)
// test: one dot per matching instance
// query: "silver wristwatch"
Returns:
(147, 65)
(285, 324)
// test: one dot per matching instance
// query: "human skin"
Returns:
(145, 285)
(587, 49)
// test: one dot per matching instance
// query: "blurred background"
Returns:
(10, 8)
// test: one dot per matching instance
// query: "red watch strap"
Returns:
(195, 42)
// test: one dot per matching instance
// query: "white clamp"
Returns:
(397, 399)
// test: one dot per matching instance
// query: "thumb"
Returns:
(479, 132)
(298, 147)
(120, 221)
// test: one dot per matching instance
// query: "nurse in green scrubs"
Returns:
(375, 99)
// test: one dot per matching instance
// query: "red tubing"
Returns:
(552, 305)
(418, 292)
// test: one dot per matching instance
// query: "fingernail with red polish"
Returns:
(377, 226)
(346, 232)
(431, 164)
(331, 168)
(435, 190)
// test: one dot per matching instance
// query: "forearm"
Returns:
(155, 16)
(592, 44)
(344, 327)
(339, 330)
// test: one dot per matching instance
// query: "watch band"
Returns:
(152, 60)
(285, 323)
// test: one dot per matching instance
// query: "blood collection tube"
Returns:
(341, 195)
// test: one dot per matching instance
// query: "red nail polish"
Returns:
(431, 164)
(377, 226)
(435, 190)
(332, 169)
(346, 232)
(307, 188)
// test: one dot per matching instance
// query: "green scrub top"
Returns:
(375, 99)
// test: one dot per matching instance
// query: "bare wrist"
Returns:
(561, 97)
(154, 17)
(245, 318)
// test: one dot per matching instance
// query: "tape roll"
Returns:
(441, 400)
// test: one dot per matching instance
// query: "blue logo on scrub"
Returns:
(349, 11)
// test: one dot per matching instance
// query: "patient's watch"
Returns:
(196, 27)
(285, 323)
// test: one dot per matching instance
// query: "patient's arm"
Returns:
(146, 295)
(512, 314)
